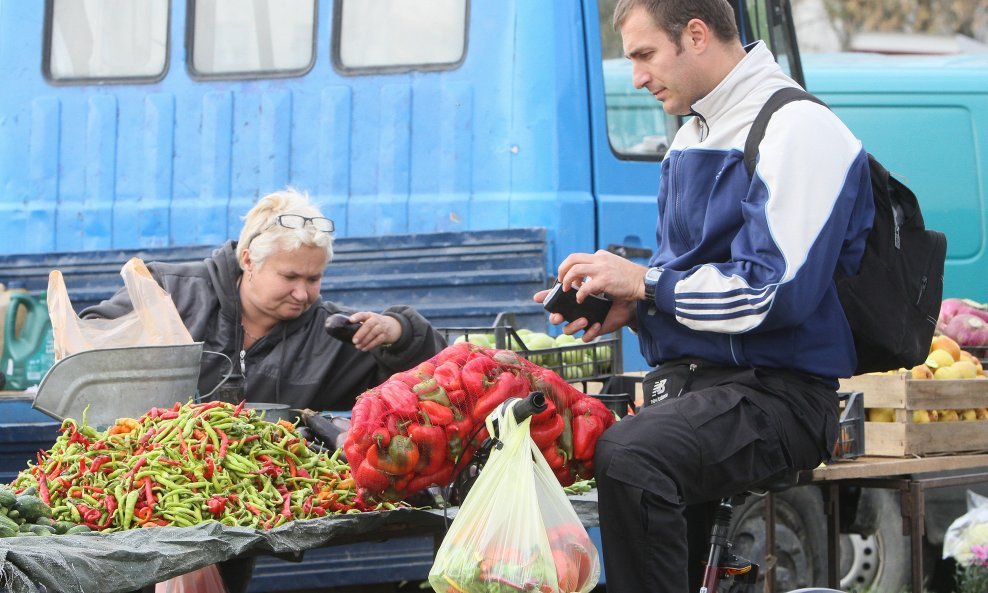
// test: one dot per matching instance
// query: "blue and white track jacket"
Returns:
(749, 262)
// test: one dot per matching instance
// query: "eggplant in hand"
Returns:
(340, 327)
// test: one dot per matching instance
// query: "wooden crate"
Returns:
(904, 437)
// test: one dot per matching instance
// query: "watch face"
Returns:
(652, 275)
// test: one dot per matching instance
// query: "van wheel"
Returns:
(800, 537)
(881, 561)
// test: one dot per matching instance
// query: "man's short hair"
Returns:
(672, 15)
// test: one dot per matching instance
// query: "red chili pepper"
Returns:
(286, 501)
(148, 493)
(238, 408)
(43, 488)
(436, 413)
(431, 441)
(291, 467)
(224, 443)
(400, 458)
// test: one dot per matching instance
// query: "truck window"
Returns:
(637, 127)
(398, 35)
(252, 38)
(105, 40)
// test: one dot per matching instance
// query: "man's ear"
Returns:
(696, 35)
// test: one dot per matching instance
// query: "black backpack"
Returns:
(893, 302)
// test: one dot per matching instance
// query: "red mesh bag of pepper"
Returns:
(413, 430)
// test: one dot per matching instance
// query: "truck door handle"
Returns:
(629, 251)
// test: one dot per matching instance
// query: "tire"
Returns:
(881, 561)
(800, 537)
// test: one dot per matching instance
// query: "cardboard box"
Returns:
(904, 395)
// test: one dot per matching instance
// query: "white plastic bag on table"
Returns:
(516, 530)
(153, 322)
(205, 580)
(967, 531)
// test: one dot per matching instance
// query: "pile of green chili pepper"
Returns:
(186, 465)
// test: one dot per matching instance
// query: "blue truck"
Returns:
(150, 128)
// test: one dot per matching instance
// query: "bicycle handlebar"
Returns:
(530, 406)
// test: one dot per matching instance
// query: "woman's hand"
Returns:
(375, 330)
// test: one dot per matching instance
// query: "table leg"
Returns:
(916, 528)
(770, 559)
(832, 505)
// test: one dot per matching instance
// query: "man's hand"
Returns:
(601, 272)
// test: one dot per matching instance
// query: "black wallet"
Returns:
(594, 307)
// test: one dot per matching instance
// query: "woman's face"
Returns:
(287, 284)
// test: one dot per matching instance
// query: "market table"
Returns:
(905, 474)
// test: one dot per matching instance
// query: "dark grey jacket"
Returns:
(296, 363)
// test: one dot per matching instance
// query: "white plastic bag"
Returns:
(205, 580)
(515, 530)
(153, 322)
(968, 531)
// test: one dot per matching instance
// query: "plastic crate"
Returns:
(579, 362)
(851, 433)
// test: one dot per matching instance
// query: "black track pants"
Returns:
(717, 432)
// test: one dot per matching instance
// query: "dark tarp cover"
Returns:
(129, 560)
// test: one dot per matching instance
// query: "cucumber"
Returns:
(78, 529)
(7, 522)
(42, 530)
(31, 507)
(7, 498)
(30, 490)
(44, 521)
(7, 531)
(62, 527)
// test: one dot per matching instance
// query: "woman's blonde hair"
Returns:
(263, 235)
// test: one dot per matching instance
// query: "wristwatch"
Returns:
(651, 279)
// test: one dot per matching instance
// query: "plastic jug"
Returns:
(5, 293)
(29, 352)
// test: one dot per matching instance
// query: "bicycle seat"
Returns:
(778, 482)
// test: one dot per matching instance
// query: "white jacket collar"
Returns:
(754, 71)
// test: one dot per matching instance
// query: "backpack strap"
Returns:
(757, 131)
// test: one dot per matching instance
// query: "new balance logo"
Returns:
(659, 391)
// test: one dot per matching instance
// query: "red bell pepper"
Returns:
(371, 478)
(438, 478)
(432, 445)
(476, 375)
(586, 429)
(399, 399)
(506, 385)
(401, 456)
(448, 376)
(546, 434)
(436, 413)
